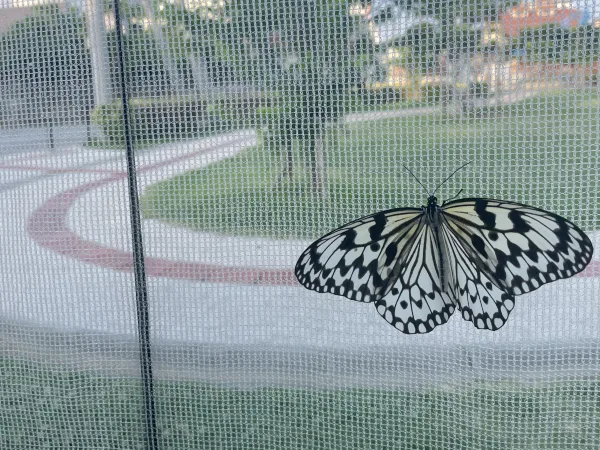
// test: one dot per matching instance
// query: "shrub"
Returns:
(479, 89)
(435, 93)
(240, 110)
(154, 120)
(383, 95)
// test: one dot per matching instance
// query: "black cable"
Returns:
(141, 291)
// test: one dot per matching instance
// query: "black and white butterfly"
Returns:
(417, 265)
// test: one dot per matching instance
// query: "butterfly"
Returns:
(418, 265)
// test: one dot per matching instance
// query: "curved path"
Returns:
(66, 249)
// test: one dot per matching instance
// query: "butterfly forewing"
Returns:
(518, 247)
(358, 259)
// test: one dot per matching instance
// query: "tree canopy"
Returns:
(44, 60)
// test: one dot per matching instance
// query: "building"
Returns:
(536, 13)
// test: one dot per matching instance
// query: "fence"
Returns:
(164, 164)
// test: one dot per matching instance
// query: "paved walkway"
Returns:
(66, 256)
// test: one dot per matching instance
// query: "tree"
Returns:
(144, 66)
(150, 68)
(303, 53)
(555, 43)
(455, 37)
(201, 40)
(300, 53)
(423, 42)
(44, 62)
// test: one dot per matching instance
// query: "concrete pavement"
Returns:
(65, 244)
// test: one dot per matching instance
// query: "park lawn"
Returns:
(541, 151)
(46, 407)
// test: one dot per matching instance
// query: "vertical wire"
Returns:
(141, 291)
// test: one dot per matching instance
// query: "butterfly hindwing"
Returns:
(479, 300)
(357, 260)
(416, 302)
(518, 247)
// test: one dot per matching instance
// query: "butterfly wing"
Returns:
(518, 248)
(359, 259)
(418, 301)
(479, 300)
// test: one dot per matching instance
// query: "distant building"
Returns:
(536, 13)
(389, 20)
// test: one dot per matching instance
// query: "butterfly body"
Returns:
(433, 215)
(417, 265)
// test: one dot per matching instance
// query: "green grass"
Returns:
(42, 407)
(542, 151)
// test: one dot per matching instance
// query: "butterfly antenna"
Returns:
(421, 184)
(450, 199)
(450, 176)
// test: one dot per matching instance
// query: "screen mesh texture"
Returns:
(257, 126)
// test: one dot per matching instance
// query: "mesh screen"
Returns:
(257, 126)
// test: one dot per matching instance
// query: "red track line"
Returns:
(47, 227)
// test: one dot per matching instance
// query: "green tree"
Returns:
(300, 53)
(202, 42)
(304, 54)
(423, 43)
(456, 12)
(453, 36)
(544, 43)
(150, 68)
(44, 62)
(554, 43)
(144, 66)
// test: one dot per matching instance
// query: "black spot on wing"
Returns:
(359, 264)
(488, 218)
(564, 238)
(553, 255)
(411, 325)
(369, 268)
(378, 226)
(568, 266)
(390, 253)
(533, 252)
(349, 239)
(363, 290)
(519, 225)
(533, 272)
(344, 269)
(376, 278)
(478, 245)
(500, 272)
(515, 253)
(347, 284)
(517, 281)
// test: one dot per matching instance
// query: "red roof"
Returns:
(535, 14)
